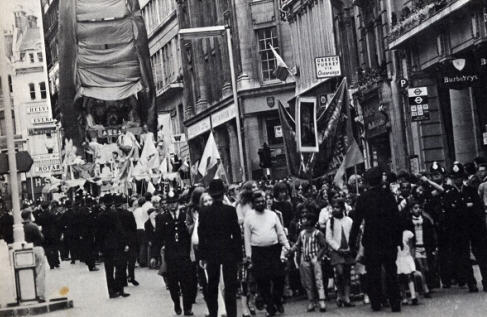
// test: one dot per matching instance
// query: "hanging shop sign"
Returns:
(328, 66)
(461, 73)
(418, 103)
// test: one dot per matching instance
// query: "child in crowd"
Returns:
(337, 234)
(310, 248)
(406, 267)
(425, 242)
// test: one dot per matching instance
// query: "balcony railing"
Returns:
(413, 19)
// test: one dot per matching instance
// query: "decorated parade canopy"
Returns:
(112, 57)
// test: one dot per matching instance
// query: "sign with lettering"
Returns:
(38, 108)
(46, 164)
(418, 102)
(198, 128)
(43, 130)
(328, 66)
(41, 120)
(224, 115)
(461, 73)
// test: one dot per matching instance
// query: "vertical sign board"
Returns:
(418, 102)
(306, 128)
(328, 66)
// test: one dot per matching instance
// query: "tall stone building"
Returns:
(255, 27)
(162, 24)
(441, 46)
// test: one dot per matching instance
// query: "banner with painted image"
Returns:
(306, 129)
(334, 133)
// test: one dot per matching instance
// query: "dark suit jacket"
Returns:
(383, 229)
(111, 234)
(220, 237)
(167, 229)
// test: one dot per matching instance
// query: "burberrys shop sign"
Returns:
(461, 73)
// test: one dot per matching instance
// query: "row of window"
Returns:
(164, 65)
(31, 57)
(156, 11)
(163, 61)
(42, 90)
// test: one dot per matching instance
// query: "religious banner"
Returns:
(334, 135)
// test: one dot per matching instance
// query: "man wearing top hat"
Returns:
(382, 235)
(172, 235)
(220, 245)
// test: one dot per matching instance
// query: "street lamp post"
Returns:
(18, 229)
(221, 30)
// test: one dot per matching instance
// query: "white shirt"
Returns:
(141, 215)
(263, 229)
(334, 239)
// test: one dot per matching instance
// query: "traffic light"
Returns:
(265, 157)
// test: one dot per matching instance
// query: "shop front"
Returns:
(377, 129)
(222, 124)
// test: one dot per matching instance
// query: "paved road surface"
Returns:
(88, 290)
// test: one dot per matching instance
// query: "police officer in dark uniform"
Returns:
(130, 228)
(87, 233)
(457, 231)
(434, 188)
(113, 241)
(172, 234)
(477, 233)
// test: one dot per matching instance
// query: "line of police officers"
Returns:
(459, 215)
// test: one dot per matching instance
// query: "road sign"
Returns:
(24, 162)
(418, 101)
(403, 83)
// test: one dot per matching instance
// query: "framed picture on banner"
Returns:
(306, 127)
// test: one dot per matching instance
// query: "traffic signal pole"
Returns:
(18, 229)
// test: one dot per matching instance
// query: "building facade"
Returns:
(209, 106)
(441, 47)
(162, 24)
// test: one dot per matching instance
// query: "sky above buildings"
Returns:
(9, 6)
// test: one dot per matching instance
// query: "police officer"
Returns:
(114, 244)
(87, 233)
(434, 207)
(172, 234)
(457, 231)
(477, 233)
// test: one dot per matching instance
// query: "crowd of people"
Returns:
(384, 239)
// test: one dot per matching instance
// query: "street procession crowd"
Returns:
(384, 239)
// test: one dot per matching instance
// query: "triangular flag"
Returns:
(210, 156)
(352, 157)
(150, 187)
(282, 70)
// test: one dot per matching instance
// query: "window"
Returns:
(31, 57)
(266, 38)
(42, 89)
(39, 57)
(32, 89)
(10, 84)
(157, 69)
